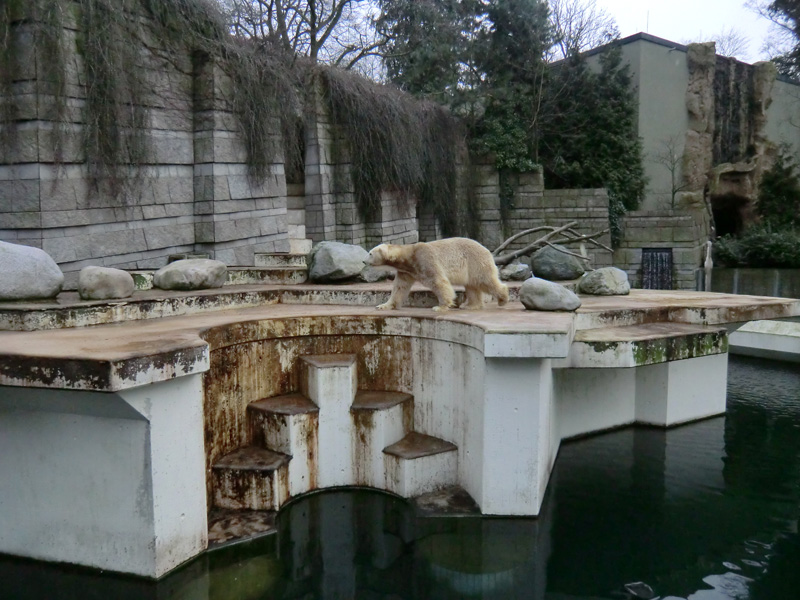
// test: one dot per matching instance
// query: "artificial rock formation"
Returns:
(28, 273)
(539, 294)
(103, 283)
(334, 261)
(553, 264)
(515, 271)
(192, 274)
(609, 281)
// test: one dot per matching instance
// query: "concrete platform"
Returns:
(129, 416)
(776, 340)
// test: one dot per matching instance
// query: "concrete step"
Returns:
(251, 478)
(380, 419)
(143, 280)
(289, 424)
(283, 259)
(329, 380)
(640, 345)
(269, 275)
(419, 464)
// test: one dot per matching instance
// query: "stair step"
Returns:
(378, 400)
(419, 464)
(379, 419)
(418, 445)
(143, 280)
(262, 259)
(289, 424)
(251, 478)
(268, 275)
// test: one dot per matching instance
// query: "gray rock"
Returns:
(549, 263)
(191, 274)
(539, 294)
(515, 272)
(334, 261)
(103, 283)
(375, 274)
(27, 273)
(641, 590)
(608, 281)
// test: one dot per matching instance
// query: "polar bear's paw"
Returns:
(441, 308)
(385, 306)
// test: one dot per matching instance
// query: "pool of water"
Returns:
(708, 511)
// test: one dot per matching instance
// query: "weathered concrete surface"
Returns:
(124, 355)
(506, 411)
(778, 340)
(115, 481)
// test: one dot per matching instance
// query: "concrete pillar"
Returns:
(329, 380)
(516, 435)
(679, 391)
(114, 481)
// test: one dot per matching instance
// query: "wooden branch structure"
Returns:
(564, 234)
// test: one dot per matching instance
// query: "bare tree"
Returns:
(337, 32)
(671, 157)
(732, 42)
(579, 25)
(781, 43)
(563, 235)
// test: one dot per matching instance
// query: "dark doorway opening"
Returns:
(728, 214)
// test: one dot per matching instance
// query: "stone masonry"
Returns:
(685, 233)
(195, 194)
(533, 206)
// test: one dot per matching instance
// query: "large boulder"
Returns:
(103, 283)
(549, 263)
(538, 294)
(515, 272)
(191, 274)
(376, 274)
(608, 281)
(334, 261)
(27, 273)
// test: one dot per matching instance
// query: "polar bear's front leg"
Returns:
(444, 292)
(400, 289)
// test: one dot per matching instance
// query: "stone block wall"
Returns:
(194, 195)
(331, 208)
(236, 214)
(532, 206)
(685, 233)
(396, 221)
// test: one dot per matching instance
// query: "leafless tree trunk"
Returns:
(671, 157)
(563, 235)
(335, 32)
(579, 25)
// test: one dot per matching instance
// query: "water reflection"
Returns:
(708, 511)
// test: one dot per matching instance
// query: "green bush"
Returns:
(760, 246)
(779, 193)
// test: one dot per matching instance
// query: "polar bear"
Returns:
(439, 265)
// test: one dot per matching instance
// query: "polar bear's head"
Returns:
(379, 255)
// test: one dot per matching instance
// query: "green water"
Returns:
(708, 511)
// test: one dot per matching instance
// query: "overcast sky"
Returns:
(689, 20)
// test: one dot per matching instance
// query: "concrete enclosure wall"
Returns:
(196, 193)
